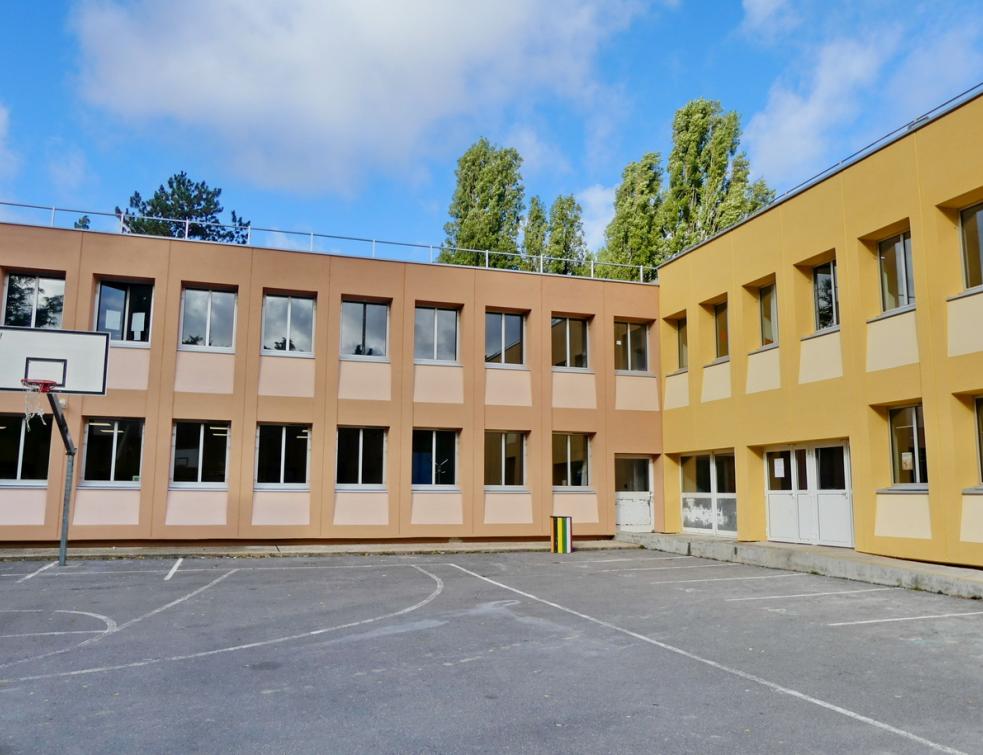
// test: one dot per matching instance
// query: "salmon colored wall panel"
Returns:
(286, 376)
(574, 390)
(287, 508)
(508, 508)
(581, 506)
(438, 384)
(505, 387)
(639, 393)
(129, 368)
(105, 507)
(357, 508)
(22, 506)
(204, 372)
(437, 508)
(364, 381)
(196, 508)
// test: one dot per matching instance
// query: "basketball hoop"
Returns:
(34, 390)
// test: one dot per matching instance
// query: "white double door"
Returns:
(808, 489)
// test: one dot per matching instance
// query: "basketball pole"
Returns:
(66, 437)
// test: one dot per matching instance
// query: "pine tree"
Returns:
(566, 250)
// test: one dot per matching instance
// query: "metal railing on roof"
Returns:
(323, 243)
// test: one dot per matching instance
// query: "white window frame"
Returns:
(906, 294)
(110, 483)
(714, 495)
(834, 293)
(123, 342)
(370, 486)
(17, 482)
(503, 488)
(301, 486)
(34, 302)
(290, 304)
(918, 484)
(588, 484)
(502, 364)
(457, 336)
(632, 370)
(341, 325)
(432, 486)
(181, 485)
(208, 322)
(566, 325)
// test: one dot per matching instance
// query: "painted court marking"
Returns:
(730, 579)
(903, 618)
(810, 594)
(664, 568)
(173, 570)
(613, 560)
(727, 669)
(35, 573)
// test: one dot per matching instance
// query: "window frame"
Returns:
(457, 336)
(907, 272)
(588, 476)
(502, 487)
(834, 295)
(287, 352)
(110, 483)
(362, 486)
(341, 325)
(34, 302)
(432, 486)
(962, 242)
(567, 367)
(208, 321)
(773, 313)
(717, 309)
(199, 485)
(631, 370)
(286, 486)
(18, 481)
(682, 344)
(125, 342)
(919, 483)
(501, 363)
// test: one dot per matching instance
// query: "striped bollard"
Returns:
(561, 534)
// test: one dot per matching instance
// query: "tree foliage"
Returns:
(566, 250)
(192, 209)
(634, 235)
(534, 234)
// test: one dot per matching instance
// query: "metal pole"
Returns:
(591, 267)
(66, 506)
(52, 217)
(187, 228)
(641, 273)
(312, 242)
(486, 258)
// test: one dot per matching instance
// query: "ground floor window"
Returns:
(113, 449)
(282, 456)
(709, 493)
(505, 459)
(979, 432)
(361, 456)
(908, 456)
(24, 448)
(571, 460)
(201, 452)
(435, 457)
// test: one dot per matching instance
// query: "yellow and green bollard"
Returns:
(561, 534)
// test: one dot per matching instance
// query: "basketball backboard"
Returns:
(75, 360)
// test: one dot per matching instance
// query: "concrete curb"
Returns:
(830, 562)
(296, 551)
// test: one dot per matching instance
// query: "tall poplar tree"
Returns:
(634, 235)
(566, 247)
(534, 234)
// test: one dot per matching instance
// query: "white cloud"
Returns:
(314, 93)
(768, 18)
(8, 160)
(67, 167)
(538, 156)
(597, 202)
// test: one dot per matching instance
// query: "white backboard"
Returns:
(75, 359)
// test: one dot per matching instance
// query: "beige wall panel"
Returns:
(357, 508)
(716, 382)
(286, 376)
(285, 507)
(677, 390)
(903, 516)
(764, 371)
(438, 384)
(204, 372)
(364, 381)
(892, 342)
(638, 393)
(581, 506)
(22, 506)
(103, 506)
(821, 358)
(964, 318)
(508, 508)
(505, 387)
(574, 390)
(196, 507)
(437, 508)
(129, 368)
(971, 525)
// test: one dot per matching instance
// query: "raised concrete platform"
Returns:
(816, 559)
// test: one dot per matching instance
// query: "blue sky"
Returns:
(348, 118)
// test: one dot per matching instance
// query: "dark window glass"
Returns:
(208, 318)
(503, 338)
(504, 458)
(832, 471)
(141, 297)
(112, 310)
(513, 339)
(578, 460)
(364, 328)
(638, 336)
(769, 315)
(222, 319)
(779, 470)
(620, 345)
(214, 452)
(569, 342)
(434, 457)
(801, 473)
(112, 450)
(129, 446)
(558, 338)
(207, 441)
(288, 324)
(423, 457)
(514, 459)
(268, 454)
(825, 293)
(972, 224)
(423, 333)
(10, 432)
(194, 322)
(444, 460)
(187, 442)
(124, 310)
(373, 456)
(435, 334)
(979, 432)
(493, 458)
(376, 322)
(493, 336)
(447, 334)
(275, 323)
(24, 450)
(720, 326)
(302, 324)
(726, 478)
(34, 301)
(908, 445)
(631, 475)
(561, 469)
(570, 460)
(348, 440)
(682, 345)
(295, 444)
(696, 474)
(50, 303)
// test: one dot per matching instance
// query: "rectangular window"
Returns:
(208, 319)
(34, 301)
(505, 459)
(571, 462)
(24, 448)
(682, 344)
(113, 449)
(709, 485)
(569, 337)
(361, 456)
(769, 314)
(824, 288)
(123, 310)
(288, 324)
(503, 338)
(631, 346)
(435, 457)
(979, 433)
(200, 453)
(972, 227)
(364, 329)
(282, 454)
(720, 329)
(897, 278)
(435, 334)
(908, 446)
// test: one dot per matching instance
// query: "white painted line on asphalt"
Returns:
(35, 573)
(904, 618)
(173, 570)
(173, 603)
(811, 594)
(665, 568)
(52, 634)
(727, 669)
(729, 579)
(613, 560)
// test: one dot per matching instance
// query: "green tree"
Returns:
(566, 249)
(190, 209)
(486, 209)
(534, 234)
(634, 235)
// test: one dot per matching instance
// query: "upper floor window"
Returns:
(682, 344)
(282, 455)
(113, 449)
(24, 448)
(364, 328)
(361, 456)
(908, 445)
(827, 298)
(123, 310)
(434, 457)
(201, 452)
(571, 462)
(768, 304)
(722, 335)
(897, 278)
(569, 336)
(288, 324)
(34, 301)
(208, 319)
(435, 334)
(503, 338)
(631, 350)
(505, 459)
(972, 226)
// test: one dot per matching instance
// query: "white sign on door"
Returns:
(907, 461)
(779, 467)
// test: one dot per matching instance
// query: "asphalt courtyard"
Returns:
(595, 652)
